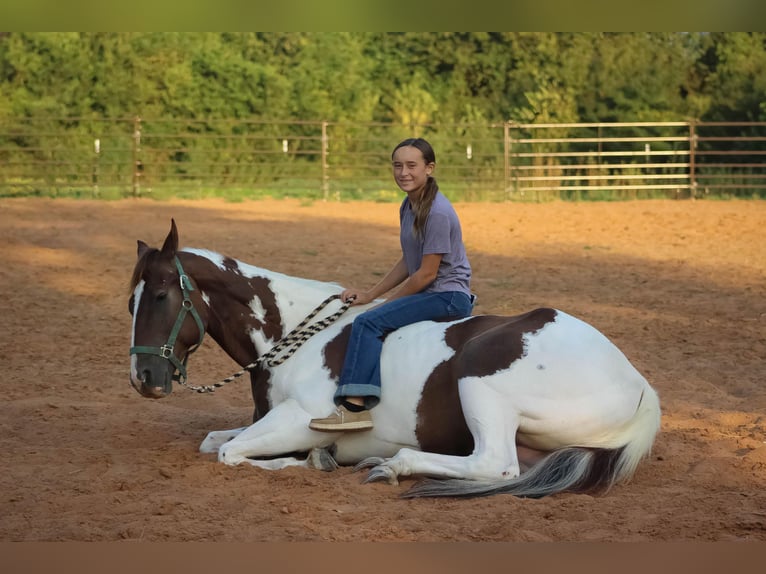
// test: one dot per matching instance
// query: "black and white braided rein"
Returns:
(287, 345)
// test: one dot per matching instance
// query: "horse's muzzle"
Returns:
(151, 390)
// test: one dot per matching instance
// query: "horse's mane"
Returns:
(217, 259)
(140, 267)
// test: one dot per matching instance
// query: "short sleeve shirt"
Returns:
(442, 235)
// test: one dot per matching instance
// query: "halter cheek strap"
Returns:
(166, 351)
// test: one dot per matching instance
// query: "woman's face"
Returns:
(410, 169)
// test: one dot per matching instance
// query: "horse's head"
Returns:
(169, 318)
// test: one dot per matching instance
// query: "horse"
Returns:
(529, 405)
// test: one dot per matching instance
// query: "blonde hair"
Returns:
(422, 207)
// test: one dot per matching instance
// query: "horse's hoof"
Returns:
(368, 463)
(321, 459)
(380, 474)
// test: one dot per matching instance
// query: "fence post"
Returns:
(136, 160)
(507, 159)
(692, 164)
(325, 176)
(96, 158)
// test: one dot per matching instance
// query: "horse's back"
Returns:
(546, 346)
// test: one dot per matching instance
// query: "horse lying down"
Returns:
(530, 405)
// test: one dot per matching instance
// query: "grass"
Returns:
(381, 192)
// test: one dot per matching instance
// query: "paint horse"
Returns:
(530, 405)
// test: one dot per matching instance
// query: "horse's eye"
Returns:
(162, 295)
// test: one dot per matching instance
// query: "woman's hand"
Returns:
(359, 297)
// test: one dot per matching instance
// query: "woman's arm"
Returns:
(422, 278)
(409, 285)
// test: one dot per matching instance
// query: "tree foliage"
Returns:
(412, 77)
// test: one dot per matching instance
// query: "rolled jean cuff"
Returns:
(370, 394)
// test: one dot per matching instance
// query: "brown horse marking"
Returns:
(483, 346)
(335, 353)
(233, 292)
(260, 383)
(490, 344)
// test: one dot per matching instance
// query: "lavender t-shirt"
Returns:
(442, 235)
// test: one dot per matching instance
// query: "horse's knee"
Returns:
(228, 455)
(212, 443)
(214, 439)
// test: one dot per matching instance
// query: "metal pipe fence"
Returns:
(336, 160)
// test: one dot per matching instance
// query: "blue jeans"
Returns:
(360, 376)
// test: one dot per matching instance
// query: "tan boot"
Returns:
(343, 420)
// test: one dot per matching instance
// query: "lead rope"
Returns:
(289, 344)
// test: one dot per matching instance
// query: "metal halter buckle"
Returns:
(166, 352)
(185, 282)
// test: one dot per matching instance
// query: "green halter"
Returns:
(166, 351)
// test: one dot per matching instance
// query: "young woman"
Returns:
(433, 279)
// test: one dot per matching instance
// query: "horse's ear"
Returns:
(171, 241)
(142, 248)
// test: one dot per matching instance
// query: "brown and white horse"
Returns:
(529, 405)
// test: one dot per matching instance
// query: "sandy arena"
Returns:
(679, 286)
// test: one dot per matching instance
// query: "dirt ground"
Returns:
(680, 287)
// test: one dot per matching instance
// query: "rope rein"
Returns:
(286, 346)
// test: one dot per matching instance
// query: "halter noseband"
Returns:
(166, 351)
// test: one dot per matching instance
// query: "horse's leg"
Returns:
(318, 458)
(282, 430)
(215, 439)
(493, 423)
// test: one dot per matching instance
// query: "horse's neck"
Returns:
(251, 307)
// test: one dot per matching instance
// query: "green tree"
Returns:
(736, 76)
(330, 79)
(639, 77)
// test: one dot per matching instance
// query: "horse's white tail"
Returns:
(573, 469)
